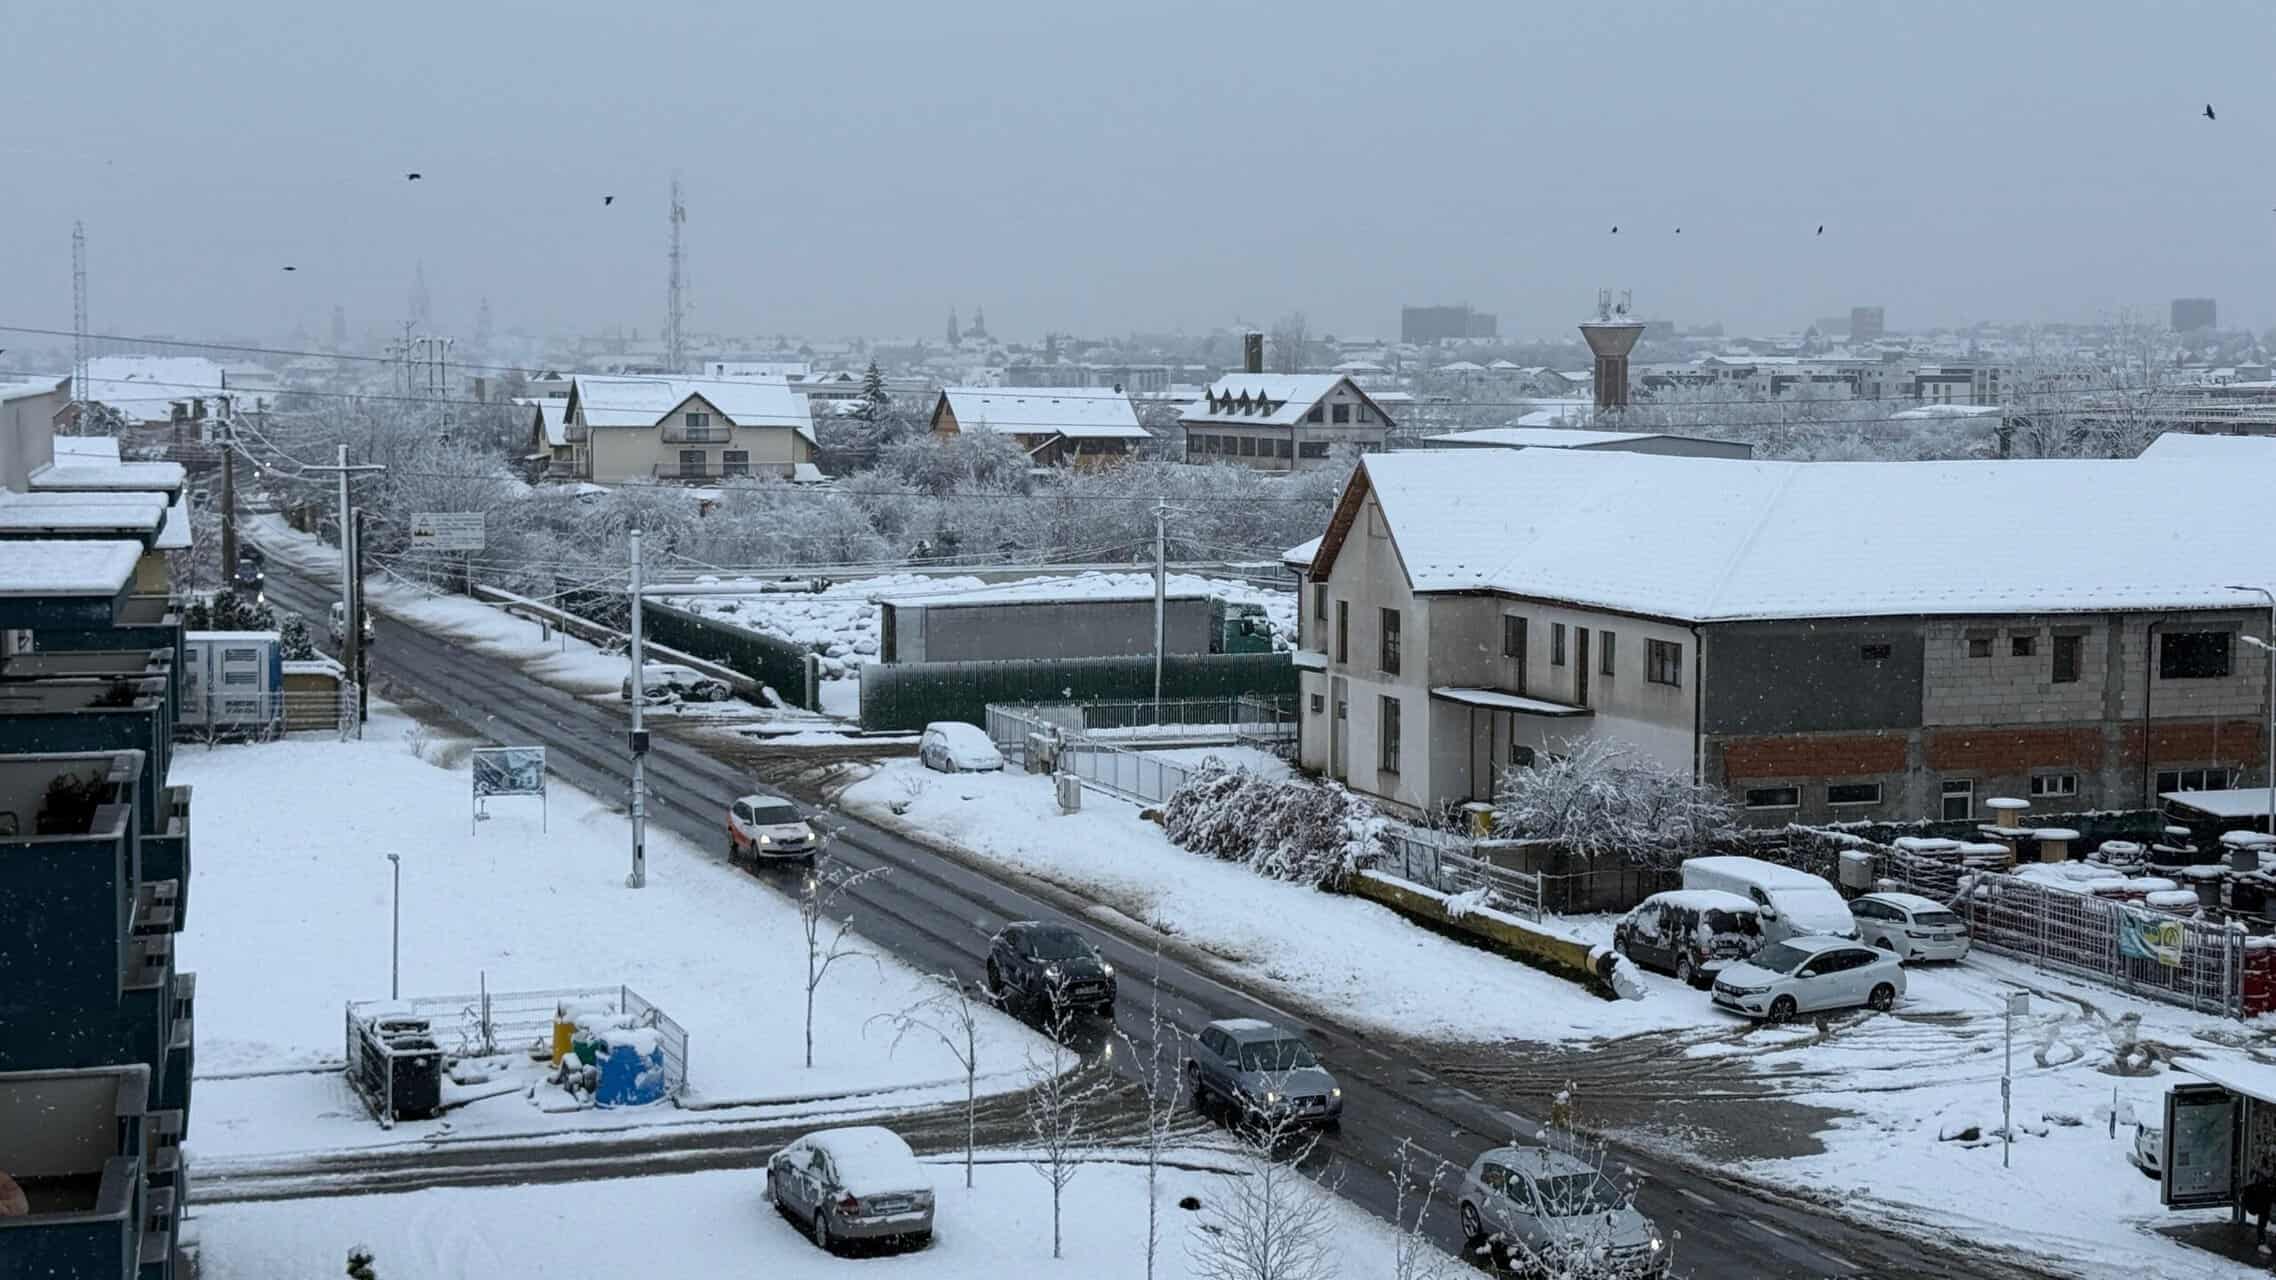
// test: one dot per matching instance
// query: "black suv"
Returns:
(1050, 966)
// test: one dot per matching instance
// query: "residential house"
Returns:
(1526, 437)
(1824, 640)
(1282, 421)
(642, 429)
(549, 440)
(1076, 426)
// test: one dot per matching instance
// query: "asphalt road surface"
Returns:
(936, 913)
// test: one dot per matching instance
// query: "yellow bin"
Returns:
(563, 1028)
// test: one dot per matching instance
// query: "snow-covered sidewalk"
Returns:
(289, 921)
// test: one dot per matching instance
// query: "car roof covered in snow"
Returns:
(1907, 901)
(872, 1159)
(1820, 942)
(755, 800)
(1756, 871)
(1701, 900)
(960, 732)
(1538, 1161)
(1250, 1029)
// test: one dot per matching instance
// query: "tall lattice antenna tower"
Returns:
(78, 323)
(675, 340)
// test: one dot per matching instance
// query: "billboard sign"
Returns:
(447, 531)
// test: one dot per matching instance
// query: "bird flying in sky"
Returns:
(411, 177)
(2209, 112)
(607, 201)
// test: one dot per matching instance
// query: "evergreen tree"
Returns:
(296, 644)
(874, 400)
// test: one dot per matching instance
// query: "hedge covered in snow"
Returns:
(1314, 833)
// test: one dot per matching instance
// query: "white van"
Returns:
(1794, 903)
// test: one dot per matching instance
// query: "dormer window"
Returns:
(698, 419)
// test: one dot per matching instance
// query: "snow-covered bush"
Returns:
(1314, 833)
(1600, 799)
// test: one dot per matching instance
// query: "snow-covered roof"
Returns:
(316, 666)
(1086, 588)
(1462, 366)
(2233, 802)
(645, 402)
(1539, 437)
(77, 449)
(1712, 539)
(2184, 444)
(1301, 554)
(65, 477)
(175, 534)
(2255, 1080)
(121, 513)
(145, 387)
(1499, 700)
(1078, 413)
(1289, 396)
(19, 390)
(553, 413)
(1947, 411)
(806, 473)
(67, 567)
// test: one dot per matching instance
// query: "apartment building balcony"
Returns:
(680, 433)
(109, 664)
(76, 1146)
(165, 849)
(688, 474)
(94, 714)
(142, 622)
(181, 1049)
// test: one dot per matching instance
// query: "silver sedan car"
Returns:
(860, 1183)
(1543, 1212)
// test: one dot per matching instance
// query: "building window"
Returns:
(2066, 658)
(1319, 703)
(2023, 646)
(1320, 601)
(1343, 630)
(1556, 644)
(2215, 779)
(735, 462)
(2193, 655)
(1312, 449)
(1387, 735)
(1282, 448)
(1979, 646)
(1366, 414)
(1340, 413)
(1317, 414)
(1774, 797)
(1604, 659)
(1873, 653)
(2053, 784)
(1663, 662)
(1520, 755)
(1845, 793)
(1248, 446)
(1513, 636)
(1959, 799)
(691, 462)
(698, 419)
(1391, 642)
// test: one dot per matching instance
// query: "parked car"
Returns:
(1804, 975)
(663, 681)
(762, 828)
(951, 746)
(1255, 1071)
(1914, 927)
(1691, 933)
(1536, 1208)
(1792, 903)
(1050, 966)
(340, 623)
(860, 1183)
(2149, 1149)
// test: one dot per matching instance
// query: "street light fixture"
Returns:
(2268, 733)
(395, 935)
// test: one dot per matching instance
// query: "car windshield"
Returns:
(1729, 922)
(1782, 957)
(1058, 944)
(774, 815)
(1569, 1195)
(1277, 1055)
(1937, 920)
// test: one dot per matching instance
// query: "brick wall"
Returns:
(2013, 750)
(2231, 742)
(1813, 756)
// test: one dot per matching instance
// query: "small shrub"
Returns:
(1313, 833)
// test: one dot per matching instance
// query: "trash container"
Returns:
(631, 1068)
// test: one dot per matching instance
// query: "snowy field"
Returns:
(289, 922)
(704, 1225)
(1360, 960)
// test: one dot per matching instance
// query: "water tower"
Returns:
(1611, 336)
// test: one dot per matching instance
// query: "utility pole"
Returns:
(351, 636)
(362, 651)
(1161, 594)
(79, 328)
(675, 340)
(228, 499)
(639, 877)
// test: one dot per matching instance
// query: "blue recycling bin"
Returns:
(631, 1068)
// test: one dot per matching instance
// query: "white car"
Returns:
(664, 681)
(1809, 974)
(761, 828)
(1914, 927)
(952, 746)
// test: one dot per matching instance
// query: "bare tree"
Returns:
(1160, 1085)
(824, 929)
(1271, 1220)
(1414, 1256)
(1600, 798)
(1290, 333)
(950, 1016)
(1563, 1213)
(1054, 1108)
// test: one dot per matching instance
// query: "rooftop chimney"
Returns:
(1252, 352)
(1611, 336)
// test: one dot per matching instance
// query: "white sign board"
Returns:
(508, 771)
(447, 531)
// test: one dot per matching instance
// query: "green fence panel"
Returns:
(778, 664)
(911, 695)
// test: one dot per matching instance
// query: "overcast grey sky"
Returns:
(1096, 168)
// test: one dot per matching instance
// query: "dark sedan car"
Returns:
(1050, 966)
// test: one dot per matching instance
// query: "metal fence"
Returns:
(226, 715)
(1067, 731)
(2195, 963)
(1449, 863)
(487, 1024)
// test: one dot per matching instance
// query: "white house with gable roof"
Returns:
(1079, 426)
(1282, 421)
(632, 430)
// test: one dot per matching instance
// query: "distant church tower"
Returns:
(954, 333)
(979, 329)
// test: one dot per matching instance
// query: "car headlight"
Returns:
(1105, 969)
(1745, 991)
(1657, 1243)
(1053, 972)
(1336, 1092)
(1271, 1098)
(766, 839)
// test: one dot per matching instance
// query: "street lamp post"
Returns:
(395, 934)
(2268, 732)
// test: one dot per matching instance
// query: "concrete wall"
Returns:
(1054, 629)
(1812, 676)
(27, 436)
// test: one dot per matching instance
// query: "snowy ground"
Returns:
(704, 1225)
(1365, 963)
(290, 915)
(1896, 1083)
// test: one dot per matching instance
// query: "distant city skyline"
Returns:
(1103, 169)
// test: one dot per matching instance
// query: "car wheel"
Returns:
(1106, 1011)
(1686, 972)
(919, 1239)
(1193, 1087)
(996, 983)
(1472, 1228)
(1782, 1009)
(1883, 999)
(822, 1230)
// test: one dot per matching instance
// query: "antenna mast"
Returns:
(79, 326)
(675, 341)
